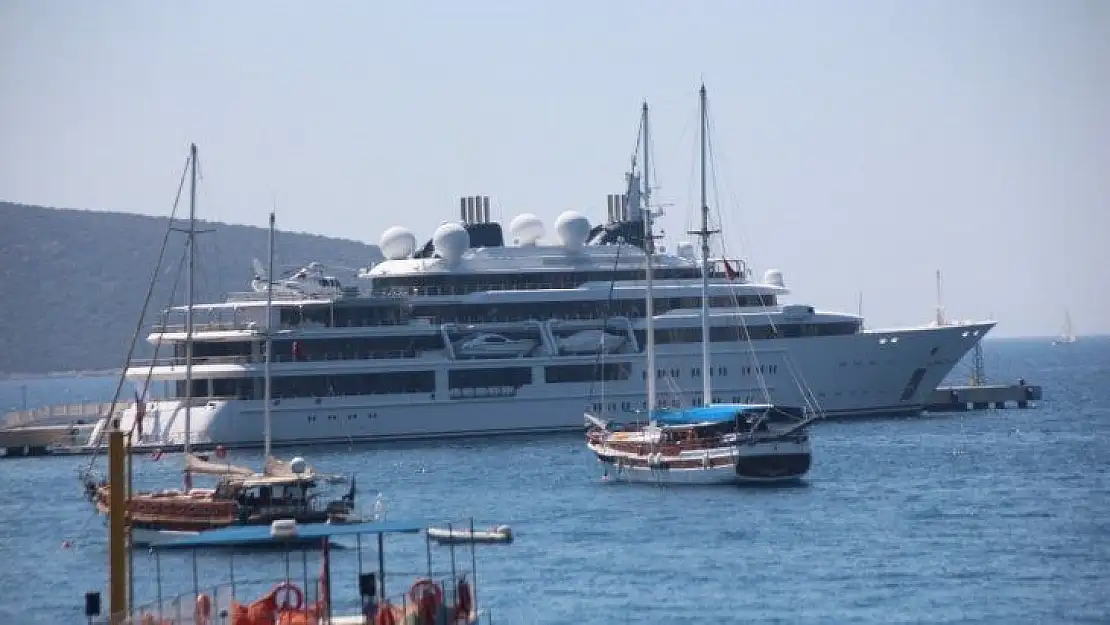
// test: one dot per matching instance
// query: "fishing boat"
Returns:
(712, 443)
(445, 590)
(241, 496)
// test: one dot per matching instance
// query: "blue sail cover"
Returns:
(715, 413)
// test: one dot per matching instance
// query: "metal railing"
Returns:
(222, 604)
(62, 414)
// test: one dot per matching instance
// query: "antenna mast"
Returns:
(704, 234)
(269, 340)
(649, 253)
(940, 307)
(191, 242)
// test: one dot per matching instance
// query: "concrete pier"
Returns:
(983, 397)
(40, 440)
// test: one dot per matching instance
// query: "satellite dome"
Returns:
(397, 243)
(773, 277)
(526, 229)
(451, 240)
(573, 228)
(297, 465)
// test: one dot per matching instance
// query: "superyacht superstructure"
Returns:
(474, 333)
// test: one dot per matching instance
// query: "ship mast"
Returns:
(191, 242)
(704, 234)
(269, 341)
(649, 253)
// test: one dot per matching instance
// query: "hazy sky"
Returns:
(859, 146)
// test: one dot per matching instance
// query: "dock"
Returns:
(41, 440)
(40, 431)
(66, 429)
(982, 397)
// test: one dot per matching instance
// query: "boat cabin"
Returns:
(341, 590)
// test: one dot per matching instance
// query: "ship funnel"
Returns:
(474, 209)
(616, 207)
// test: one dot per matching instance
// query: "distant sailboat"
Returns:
(1068, 336)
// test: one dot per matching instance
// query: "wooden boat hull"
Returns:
(746, 463)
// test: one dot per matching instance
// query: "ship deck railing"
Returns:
(61, 414)
(181, 609)
(381, 354)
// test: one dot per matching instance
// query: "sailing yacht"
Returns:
(712, 443)
(1068, 335)
(241, 496)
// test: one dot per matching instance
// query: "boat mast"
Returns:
(649, 253)
(269, 340)
(191, 242)
(704, 234)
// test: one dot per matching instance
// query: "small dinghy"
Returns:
(500, 534)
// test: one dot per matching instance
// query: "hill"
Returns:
(74, 281)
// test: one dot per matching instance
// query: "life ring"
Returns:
(293, 588)
(385, 615)
(421, 587)
(202, 614)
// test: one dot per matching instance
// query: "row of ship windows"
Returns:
(720, 371)
(665, 402)
(463, 284)
(413, 346)
(505, 379)
(341, 315)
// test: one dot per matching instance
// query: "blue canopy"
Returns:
(260, 534)
(715, 413)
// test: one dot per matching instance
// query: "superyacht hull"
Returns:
(869, 373)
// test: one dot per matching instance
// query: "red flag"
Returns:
(730, 273)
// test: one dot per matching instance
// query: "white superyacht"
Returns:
(472, 334)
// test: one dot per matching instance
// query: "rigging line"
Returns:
(146, 302)
(712, 157)
(158, 345)
(604, 326)
(807, 393)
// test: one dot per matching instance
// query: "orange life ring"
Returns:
(297, 592)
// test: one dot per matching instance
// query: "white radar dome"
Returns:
(773, 277)
(297, 465)
(526, 229)
(451, 240)
(397, 243)
(573, 228)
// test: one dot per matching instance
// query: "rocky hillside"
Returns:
(73, 281)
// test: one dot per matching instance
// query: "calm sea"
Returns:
(982, 517)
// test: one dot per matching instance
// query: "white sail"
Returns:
(1068, 335)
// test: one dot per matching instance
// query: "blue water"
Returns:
(982, 517)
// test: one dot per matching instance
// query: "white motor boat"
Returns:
(591, 341)
(495, 346)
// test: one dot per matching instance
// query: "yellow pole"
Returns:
(117, 528)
